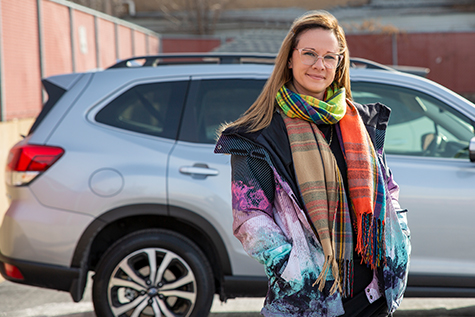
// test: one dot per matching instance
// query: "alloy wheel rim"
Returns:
(152, 282)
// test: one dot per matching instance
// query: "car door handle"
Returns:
(199, 170)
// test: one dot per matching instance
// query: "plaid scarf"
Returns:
(321, 184)
(311, 109)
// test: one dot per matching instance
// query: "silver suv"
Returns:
(117, 176)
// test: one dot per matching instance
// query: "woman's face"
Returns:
(313, 80)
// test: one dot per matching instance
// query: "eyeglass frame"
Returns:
(340, 57)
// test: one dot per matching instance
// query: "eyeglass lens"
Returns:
(309, 57)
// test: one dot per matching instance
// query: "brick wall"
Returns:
(56, 34)
(20, 60)
(106, 42)
(84, 41)
(65, 38)
(449, 55)
(185, 45)
(154, 44)
(140, 44)
(124, 39)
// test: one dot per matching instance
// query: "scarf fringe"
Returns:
(346, 271)
(370, 244)
(330, 262)
(323, 274)
(343, 273)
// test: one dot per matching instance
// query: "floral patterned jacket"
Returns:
(272, 225)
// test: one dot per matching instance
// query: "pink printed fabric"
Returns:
(279, 236)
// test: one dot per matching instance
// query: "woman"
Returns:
(313, 200)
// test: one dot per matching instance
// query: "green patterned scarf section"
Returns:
(310, 108)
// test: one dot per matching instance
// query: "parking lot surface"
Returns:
(27, 301)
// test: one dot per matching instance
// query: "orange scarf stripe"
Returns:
(364, 181)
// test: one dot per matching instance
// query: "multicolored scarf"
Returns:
(321, 185)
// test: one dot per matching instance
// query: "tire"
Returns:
(182, 284)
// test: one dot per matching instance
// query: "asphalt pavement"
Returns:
(433, 307)
(26, 301)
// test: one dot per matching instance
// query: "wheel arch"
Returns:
(118, 222)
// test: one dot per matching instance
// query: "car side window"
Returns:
(153, 109)
(419, 125)
(214, 102)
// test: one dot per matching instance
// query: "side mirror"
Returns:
(471, 150)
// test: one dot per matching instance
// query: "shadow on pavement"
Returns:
(439, 312)
(241, 314)
(88, 314)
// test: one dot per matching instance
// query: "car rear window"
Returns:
(152, 109)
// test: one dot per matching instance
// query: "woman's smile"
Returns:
(316, 76)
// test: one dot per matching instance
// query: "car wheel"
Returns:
(153, 272)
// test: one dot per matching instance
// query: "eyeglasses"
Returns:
(309, 57)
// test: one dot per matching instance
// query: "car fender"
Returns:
(81, 258)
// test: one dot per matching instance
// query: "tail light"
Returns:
(13, 272)
(26, 162)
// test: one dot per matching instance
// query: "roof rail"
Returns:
(243, 58)
(366, 63)
(187, 58)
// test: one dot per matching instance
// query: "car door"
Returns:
(427, 150)
(198, 179)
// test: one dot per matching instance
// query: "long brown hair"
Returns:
(259, 115)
